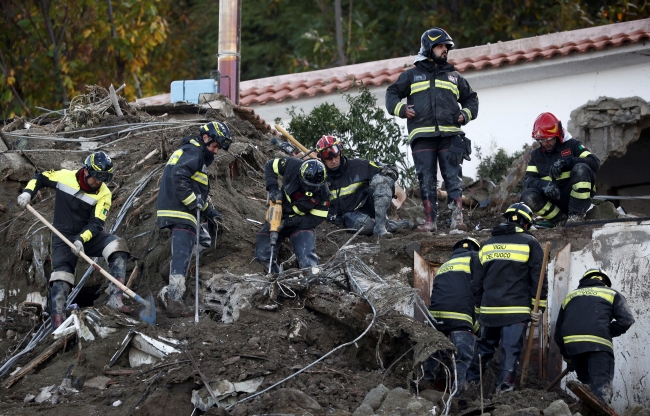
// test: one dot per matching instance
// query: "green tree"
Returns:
(494, 166)
(365, 130)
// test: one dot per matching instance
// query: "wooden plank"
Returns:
(592, 402)
(561, 275)
(36, 361)
(424, 273)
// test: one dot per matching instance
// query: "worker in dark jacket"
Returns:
(305, 202)
(433, 92)
(361, 191)
(559, 180)
(80, 209)
(590, 317)
(506, 290)
(452, 306)
(183, 191)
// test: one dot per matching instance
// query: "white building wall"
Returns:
(622, 250)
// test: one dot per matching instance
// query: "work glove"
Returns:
(79, 247)
(290, 222)
(24, 199)
(390, 171)
(456, 151)
(552, 191)
(213, 216)
(198, 203)
(535, 317)
(204, 237)
(275, 194)
(562, 165)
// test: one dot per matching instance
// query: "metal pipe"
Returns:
(229, 56)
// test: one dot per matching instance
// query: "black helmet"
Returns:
(218, 132)
(597, 274)
(433, 37)
(100, 166)
(468, 243)
(312, 175)
(519, 213)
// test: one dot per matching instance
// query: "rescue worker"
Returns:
(452, 306)
(305, 202)
(590, 317)
(184, 189)
(506, 289)
(559, 180)
(433, 90)
(80, 209)
(361, 191)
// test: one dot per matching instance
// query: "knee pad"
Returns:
(62, 276)
(119, 244)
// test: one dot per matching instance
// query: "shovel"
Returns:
(147, 314)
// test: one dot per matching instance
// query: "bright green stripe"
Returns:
(448, 129)
(200, 178)
(276, 164)
(542, 302)
(176, 214)
(468, 113)
(460, 264)
(584, 154)
(346, 190)
(297, 211)
(318, 212)
(512, 252)
(532, 169)
(581, 185)
(419, 86)
(587, 338)
(398, 108)
(189, 199)
(448, 86)
(431, 129)
(553, 211)
(607, 294)
(580, 195)
(452, 315)
(504, 310)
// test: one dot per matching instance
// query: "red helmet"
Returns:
(548, 126)
(328, 147)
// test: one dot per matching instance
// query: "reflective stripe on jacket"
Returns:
(590, 317)
(452, 300)
(349, 184)
(76, 212)
(185, 177)
(435, 92)
(511, 262)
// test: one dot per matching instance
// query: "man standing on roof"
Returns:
(590, 317)
(361, 191)
(433, 92)
(184, 188)
(80, 208)
(506, 291)
(452, 306)
(305, 201)
(559, 180)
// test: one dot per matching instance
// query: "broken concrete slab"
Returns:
(99, 382)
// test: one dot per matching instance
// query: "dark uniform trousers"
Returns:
(302, 241)
(428, 153)
(596, 368)
(465, 342)
(575, 197)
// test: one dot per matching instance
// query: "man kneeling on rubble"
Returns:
(305, 200)
(361, 191)
(590, 317)
(452, 306)
(559, 181)
(80, 208)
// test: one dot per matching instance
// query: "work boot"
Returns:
(382, 205)
(115, 299)
(57, 320)
(117, 264)
(430, 222)
(575, 217)
(397, 225)
(457, 215)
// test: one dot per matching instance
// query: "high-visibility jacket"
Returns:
(305, 209)
(77, 214)
(185, 177)
(590, 317)
(452, 300)
(537, 173)
(349, 184)
(511, 263)
(435, 92)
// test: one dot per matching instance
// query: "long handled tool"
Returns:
(274, 218)
(299, 145)
(198, 236)
(540, 285)
(147, 314)
(557, 379)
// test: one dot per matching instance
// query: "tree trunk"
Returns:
(55, 49)
(339, 33)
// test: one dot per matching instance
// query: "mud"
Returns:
(257, 344)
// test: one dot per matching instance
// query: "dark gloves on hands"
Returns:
(290, 222)
(198, 203)
(552, 191)
(275, 194)
(456, 151)
(390, 171)
(562, 165)
(213, 216)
